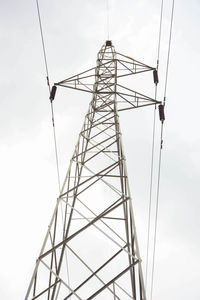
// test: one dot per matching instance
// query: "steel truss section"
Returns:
(91, 249)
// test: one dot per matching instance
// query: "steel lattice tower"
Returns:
(91, 249)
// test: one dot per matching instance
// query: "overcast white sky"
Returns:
(74, 31)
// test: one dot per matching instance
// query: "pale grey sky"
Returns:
(74, 32)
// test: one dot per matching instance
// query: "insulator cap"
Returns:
(53, 92)
(155, 76)
(161, 112)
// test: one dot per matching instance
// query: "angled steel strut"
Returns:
(91, 249)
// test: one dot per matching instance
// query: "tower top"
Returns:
(108, 43)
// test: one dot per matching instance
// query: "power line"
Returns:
(108, 21)
(169, 49)
(49, 87)
(53, 119)
(43, 45)
(160, 153)
(160, 33)
(55, 146)
(152, 152)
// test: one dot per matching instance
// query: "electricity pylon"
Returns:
(91, 248)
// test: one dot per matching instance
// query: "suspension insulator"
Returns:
(155, 76)
(53, 92)
(161, 112)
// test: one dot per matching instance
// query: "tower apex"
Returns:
(108, 43)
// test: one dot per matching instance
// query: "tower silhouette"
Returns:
(91, 248)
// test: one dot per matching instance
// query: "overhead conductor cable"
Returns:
(162, 118)
(52, 93)
(156, 81)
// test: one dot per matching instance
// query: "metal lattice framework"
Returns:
(91, 249)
